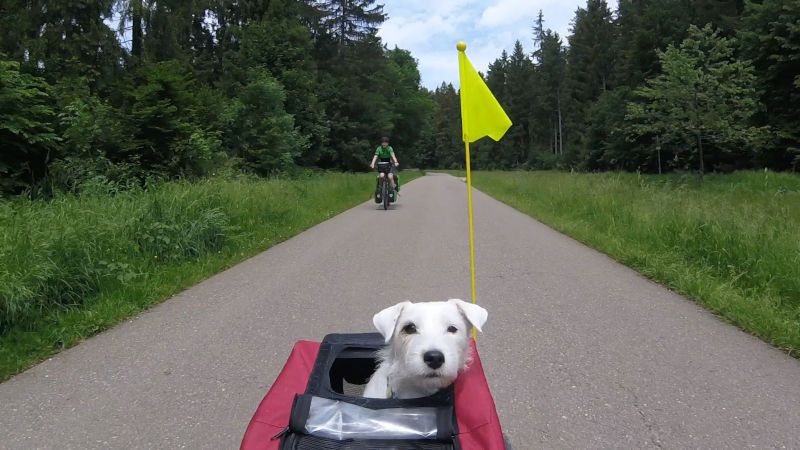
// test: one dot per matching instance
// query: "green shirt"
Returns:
(384, 153)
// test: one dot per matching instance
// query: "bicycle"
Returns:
(383, 194)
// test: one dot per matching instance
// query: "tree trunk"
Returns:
(700, 154)
(136, 29)
(658, 149)
(697, 135)
(560, 136)
(342, 24)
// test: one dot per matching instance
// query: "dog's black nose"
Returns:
(434, 359)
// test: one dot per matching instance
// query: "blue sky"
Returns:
(430, 29)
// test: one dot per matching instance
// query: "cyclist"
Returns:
(386, 154)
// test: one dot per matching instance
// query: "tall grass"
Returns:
(74, 265)
(732, 243)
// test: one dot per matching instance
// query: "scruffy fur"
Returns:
(427, 346)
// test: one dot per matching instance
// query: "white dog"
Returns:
(427, 345)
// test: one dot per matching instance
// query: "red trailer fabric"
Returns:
(272, 415)
(478, 424)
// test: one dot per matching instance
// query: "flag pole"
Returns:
(471, 235)
(479, 105)
(462, 46)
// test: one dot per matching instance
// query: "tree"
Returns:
(351, 20)
(27, 137)
(132, 14)
(590, 60)
(261, 133)
(771, 37)
(411, 105)
(494, 155)
(590, 56)
(704, 97)
(449, 148)
(538, 30)
(162, 116)
(604, 145)
(58, 40)
(551, 69)
(282, 46)
(648, 26)
(517, 99)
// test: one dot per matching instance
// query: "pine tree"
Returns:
(771, 35)
(449, 148)
(59, 39)
(280, 44)
(538, 30)
(517, 103)
(551, 70)
(132, 14)
(590, 61)
(590, 54)
(351, 20)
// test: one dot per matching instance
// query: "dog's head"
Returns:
(429, 341)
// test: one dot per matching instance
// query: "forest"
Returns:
(130, 91)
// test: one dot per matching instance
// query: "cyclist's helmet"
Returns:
(385, 139)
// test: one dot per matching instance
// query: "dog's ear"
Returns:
(386, 320)
(475, 314)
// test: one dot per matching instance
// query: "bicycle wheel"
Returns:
(385, 191)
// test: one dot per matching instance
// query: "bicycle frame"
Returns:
(385, 169)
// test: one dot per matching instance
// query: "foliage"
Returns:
(448, 147)
(351, 20)
(605, 145)
(591, 61)
(568, 104)
(27, 131)
(162, 117)
(771, 37)
(128, 90)
(703, 97)
(261, 133)
(182, 90)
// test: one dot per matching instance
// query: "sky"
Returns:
(430, 29)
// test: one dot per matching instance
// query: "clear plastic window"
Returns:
(333, 419)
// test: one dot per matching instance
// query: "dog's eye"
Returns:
(410, 329)
(452, 329)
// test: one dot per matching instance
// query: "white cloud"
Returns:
(419, 22)
(430, 29)
(416, 31)
(505, 12)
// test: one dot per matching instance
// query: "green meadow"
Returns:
(77, 264)
(731, 243)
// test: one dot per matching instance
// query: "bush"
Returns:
(260, 132)
(27, 134)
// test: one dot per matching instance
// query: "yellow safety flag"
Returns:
(481, 116)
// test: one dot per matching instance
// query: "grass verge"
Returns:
(76, 265)
(731, 243)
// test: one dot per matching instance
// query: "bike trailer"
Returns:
(314, 404)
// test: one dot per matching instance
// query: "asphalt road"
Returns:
(580, 351)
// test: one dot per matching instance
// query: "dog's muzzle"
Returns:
(433, 359)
